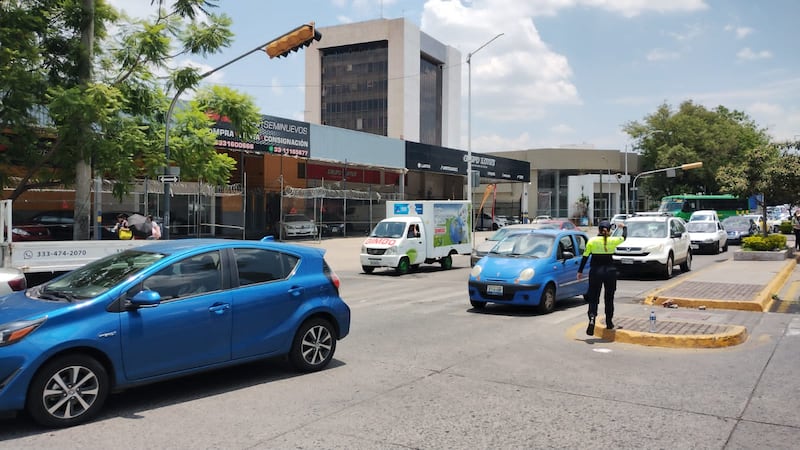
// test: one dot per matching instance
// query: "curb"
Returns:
(761, 303)
(734, 335)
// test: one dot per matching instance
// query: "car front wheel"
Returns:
(477, 305)
(548, 301)
(313, 346)
(67, 391)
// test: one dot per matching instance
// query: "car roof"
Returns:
(545, 231)
(652, 218)
(180, 247)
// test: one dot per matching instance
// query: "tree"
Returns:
(75, 99)
(768, 173)
(670, 138)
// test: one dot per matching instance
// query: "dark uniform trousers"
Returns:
(602, 277)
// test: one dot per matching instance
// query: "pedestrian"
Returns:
(796, 228)
(121, 228)
(155, 229)
(602, 273)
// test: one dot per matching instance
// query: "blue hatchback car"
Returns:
(160, 311)
(530, 268)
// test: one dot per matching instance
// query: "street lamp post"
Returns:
(687, 166)
(469, 131)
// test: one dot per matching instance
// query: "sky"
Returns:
(565, 73)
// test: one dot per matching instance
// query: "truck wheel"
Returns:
(367, 269)
(447, 262)
(402, 266)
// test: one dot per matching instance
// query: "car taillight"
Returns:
(18, 284)
(334, 279)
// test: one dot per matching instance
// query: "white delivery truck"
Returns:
(52, 256)
(416, 232)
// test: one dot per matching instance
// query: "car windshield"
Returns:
(528, 245)
(388, 229)
(701, 227)
(696, 217)
(297, 218)
(646, 229)
(499, 235)
(97, 277)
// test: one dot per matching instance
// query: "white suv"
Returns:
(654, 243)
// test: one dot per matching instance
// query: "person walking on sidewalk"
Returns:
(602, 273)
(796, 228)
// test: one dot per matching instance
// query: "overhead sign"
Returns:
(276, 135)
(168, 178)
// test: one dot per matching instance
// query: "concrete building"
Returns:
(385, 77)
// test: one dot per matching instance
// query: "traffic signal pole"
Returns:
(280, 46)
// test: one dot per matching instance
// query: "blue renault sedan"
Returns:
(530, 268)
(160, 311)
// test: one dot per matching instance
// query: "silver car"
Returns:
(298, 225)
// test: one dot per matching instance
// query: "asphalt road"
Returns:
(421, 369)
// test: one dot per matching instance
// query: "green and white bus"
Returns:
(684, 205)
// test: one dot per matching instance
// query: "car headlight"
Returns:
(709, 241)
(391, 251)
(363, 249)
(526, 274)
(476, 271)
(20, 232)
(14, 331)
(655, 248)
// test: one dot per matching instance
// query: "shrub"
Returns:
(786, 227)
(761, 243)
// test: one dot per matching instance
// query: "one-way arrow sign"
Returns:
(168, 178)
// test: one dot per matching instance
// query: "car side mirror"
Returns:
(145, 299)
(567, 255)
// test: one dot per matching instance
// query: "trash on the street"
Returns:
(702, 307)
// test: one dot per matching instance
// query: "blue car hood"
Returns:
(18, 306)
(498, 268)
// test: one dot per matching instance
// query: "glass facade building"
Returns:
(355, 87)
(430, 102)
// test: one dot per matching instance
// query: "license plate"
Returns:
(494, 289)
(627, 260)
(374, 262)
(695, 246)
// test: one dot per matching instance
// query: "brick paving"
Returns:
(670, 327)
(713, 291)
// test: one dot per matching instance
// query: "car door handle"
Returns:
(296, 291)
(220, 308)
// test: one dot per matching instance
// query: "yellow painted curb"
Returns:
(735, 335)
(762, 302)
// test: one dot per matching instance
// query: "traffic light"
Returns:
(293, 40)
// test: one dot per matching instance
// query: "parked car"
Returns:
(298, 225)
(619, 219)
(11, 279)
(30, 233)
(482, 248)
(530, 268)
(708, 236)
(60, 222)
(739, 227)
(164, 310)
(654, 242)
(759, 221)
(487, 222)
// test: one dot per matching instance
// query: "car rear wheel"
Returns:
(687, 265)
(548, 301)
(367, 269)
(313, 345)
(667, 269)
(67, 391)
(477, 305)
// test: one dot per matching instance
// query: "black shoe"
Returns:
(609, 324)
(590, 328)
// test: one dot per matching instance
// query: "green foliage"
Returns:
(764, 243)
(786, 227)
(669, 138)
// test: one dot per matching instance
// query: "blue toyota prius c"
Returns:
(159, 311)
(530, 268)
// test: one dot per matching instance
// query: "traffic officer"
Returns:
(602, 273)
